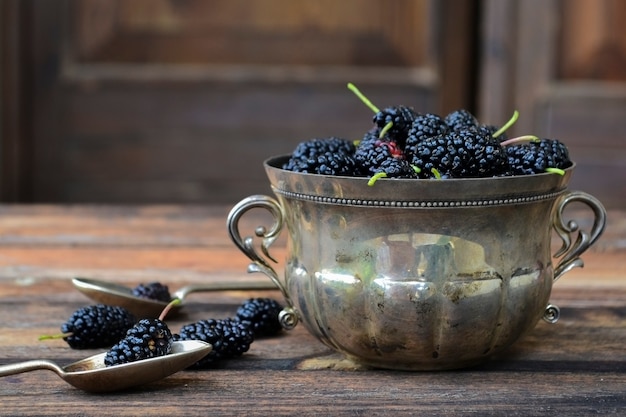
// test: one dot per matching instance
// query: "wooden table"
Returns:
(574, 367)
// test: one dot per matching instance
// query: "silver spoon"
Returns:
(119, 295)
(91, 374)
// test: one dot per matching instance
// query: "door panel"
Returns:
(567, 83)
(146, 101)
(253, 32)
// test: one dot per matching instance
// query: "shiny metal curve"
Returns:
(569, 254)
(571, 250)
(417, 274)
(552, 314)
(260, 262)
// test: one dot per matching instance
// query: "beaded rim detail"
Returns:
(420, 204)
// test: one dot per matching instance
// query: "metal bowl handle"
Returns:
(571, 249)
(260, 262)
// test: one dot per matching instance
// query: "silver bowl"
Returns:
(417, 274)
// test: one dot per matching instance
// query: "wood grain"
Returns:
(574, 367)
(152, 102)
(566, 82)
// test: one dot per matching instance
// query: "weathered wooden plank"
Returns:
(342, 393)
(574, 367)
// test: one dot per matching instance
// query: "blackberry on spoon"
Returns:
(148, 338)
(153, 291)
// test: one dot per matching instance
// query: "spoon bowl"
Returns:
(92, 375)
(114, 294)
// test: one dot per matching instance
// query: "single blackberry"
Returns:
(491, 129)
(261, 315)
(153, 291)
(401, 118)
(330, 156)
(432, 154)
(559, 152)
(394, 168)
(395, 121)
(424, 126)
(229, 338)
(469, 153)
(535, 157)
(461, 119)
(149, 338)
(373, 151)
(96, 326)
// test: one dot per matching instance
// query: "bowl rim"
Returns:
(453, 192)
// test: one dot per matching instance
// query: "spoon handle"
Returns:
(20, 367)
(224, 286)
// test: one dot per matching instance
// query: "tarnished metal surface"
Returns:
(417, 274)
(117, 295)
(92, 375)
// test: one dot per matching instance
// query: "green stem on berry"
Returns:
(168, 307)
(376, 177)
(558, 171)
(520, 139)
(416, 169)
(508, 124)
(364, 99)
(54, 336)
(385, 129)
(436, 173)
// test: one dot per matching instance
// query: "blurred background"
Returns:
(180, 101)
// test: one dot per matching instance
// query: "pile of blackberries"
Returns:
(231, 337)
(403, 143)
(100, 325)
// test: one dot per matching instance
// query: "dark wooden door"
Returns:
(562, 64)
(158, 101)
